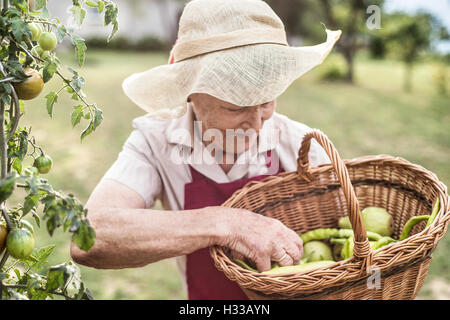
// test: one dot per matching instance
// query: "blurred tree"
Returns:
(291, 13)
(350, 16)
(302, 17)
(407, 36)
(377, 47)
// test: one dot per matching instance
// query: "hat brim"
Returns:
(244, 76)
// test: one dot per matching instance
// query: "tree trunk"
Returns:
(348, 55)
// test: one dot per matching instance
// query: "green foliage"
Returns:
(407, 37)
(27, 277)
(333, 72)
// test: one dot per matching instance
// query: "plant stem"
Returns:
(5, 4)
(16, 109)
(4, 258)
(2, 141)
(52, 192)
(6, 79)
(3, 158)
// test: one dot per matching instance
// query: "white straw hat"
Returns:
(234, 50)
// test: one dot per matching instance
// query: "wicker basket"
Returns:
(317, 197)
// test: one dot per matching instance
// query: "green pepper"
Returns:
(318, 234)
(347, 248)
(346, 233)
(383, 242)
(244, 265)
(433, 213)
(299, 267)
(325, 233)
(410, 224)
(338, 241)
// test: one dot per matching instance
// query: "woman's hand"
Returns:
(261, 239)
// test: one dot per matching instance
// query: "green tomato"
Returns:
(20, 243)
(36, 31)
(38, 51)
(47, 41)
(27, 225)
(43, 163)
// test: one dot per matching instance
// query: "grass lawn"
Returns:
(373, 117)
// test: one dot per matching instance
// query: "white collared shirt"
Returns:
(145, 163)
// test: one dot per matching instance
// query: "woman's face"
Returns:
(239, 126)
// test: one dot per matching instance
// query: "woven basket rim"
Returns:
(348, 270)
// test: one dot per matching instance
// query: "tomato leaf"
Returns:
(84, 236)
(7, 186)
(91, 4)
(88, 130)
(113, 31)
(111, 13)
(49, 70)
(53, 219)
(17, 165)
(61, 33)
(30, 202)
(45, 13)
(80, 48)
(77, 82)
(98, 118)
(78, 14)
(36, 217)
(76, 115)
(19, 29)
(101, 6)
(39, 4)
(52, 98)
(56, 277)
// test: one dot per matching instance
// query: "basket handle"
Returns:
(362, 247)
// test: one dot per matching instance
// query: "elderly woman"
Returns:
(211, 128)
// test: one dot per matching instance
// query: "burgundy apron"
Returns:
(204, 281)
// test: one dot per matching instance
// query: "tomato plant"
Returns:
(28, 60)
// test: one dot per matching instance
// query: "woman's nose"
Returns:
(255, 118)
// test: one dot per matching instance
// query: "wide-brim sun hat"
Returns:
(234, 50)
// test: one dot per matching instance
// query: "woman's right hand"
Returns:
(261, 239)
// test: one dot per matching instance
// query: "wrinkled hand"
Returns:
(261, 239)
